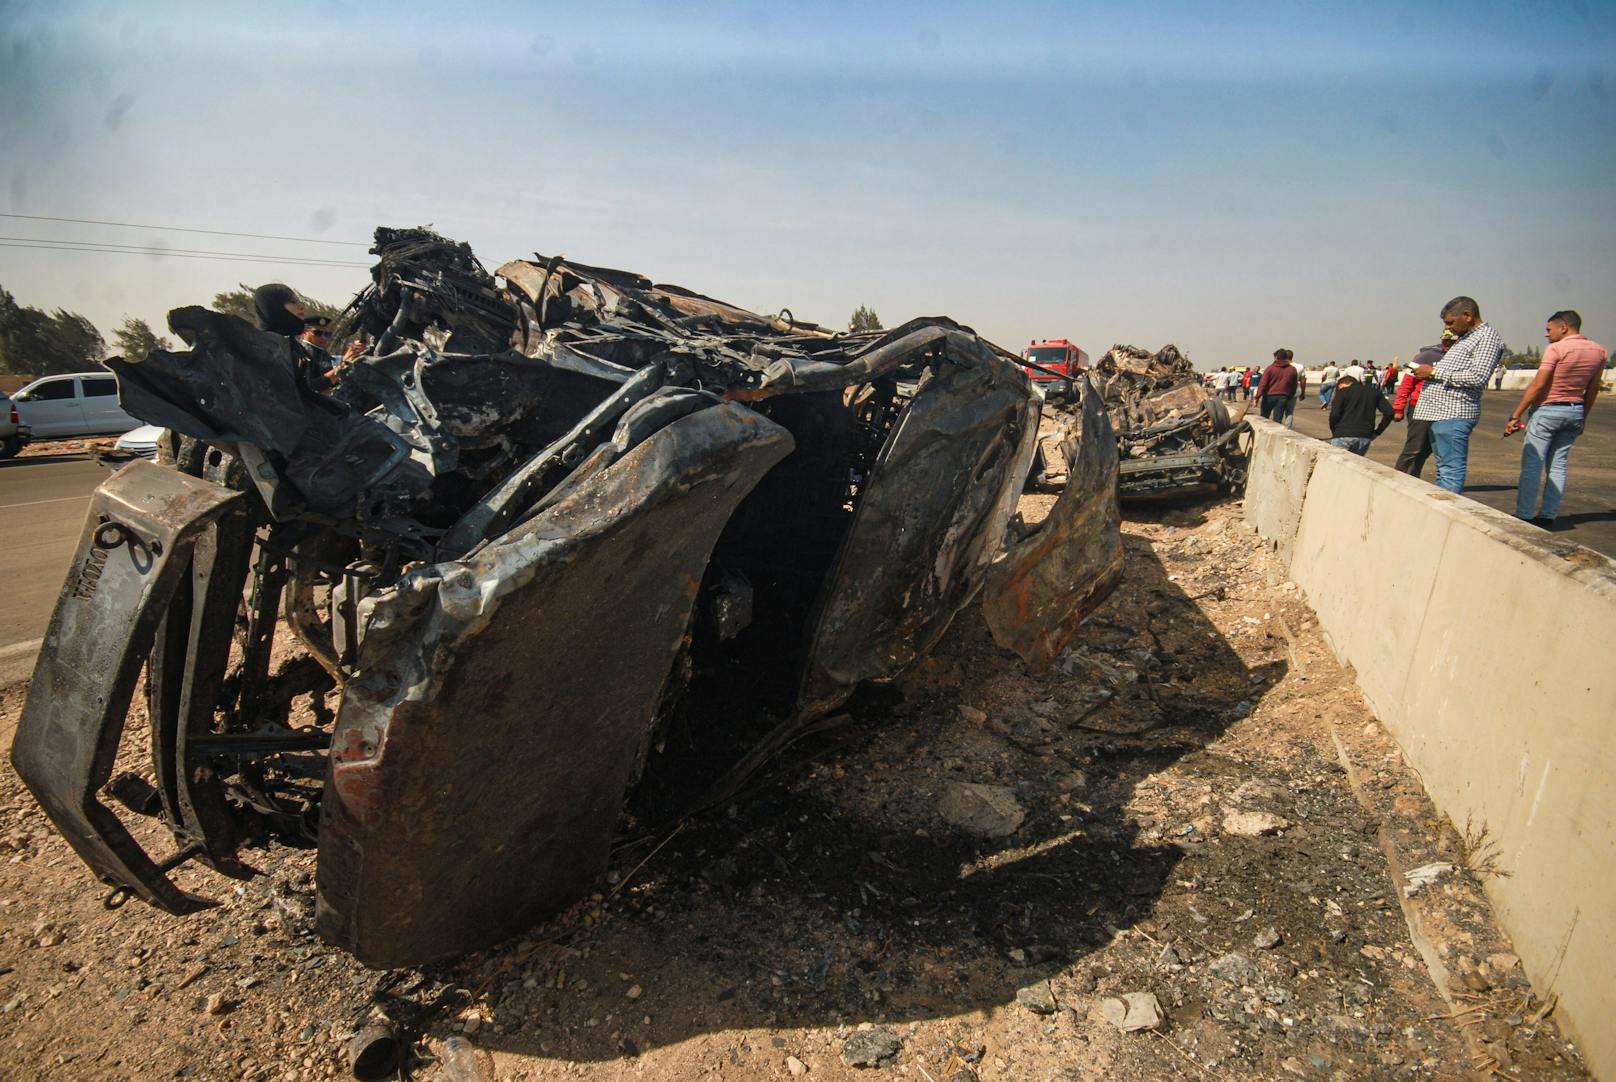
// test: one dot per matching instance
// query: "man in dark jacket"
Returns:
(1353, 409)
(1276, 394)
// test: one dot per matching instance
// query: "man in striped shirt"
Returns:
(1451, 396)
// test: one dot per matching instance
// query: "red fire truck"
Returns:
(1058, 363)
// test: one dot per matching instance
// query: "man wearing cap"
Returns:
(1451, 397)
(1557, 403)
(1417, 444)
(316, 337)
(1352, 412)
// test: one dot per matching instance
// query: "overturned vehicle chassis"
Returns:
(580, 552)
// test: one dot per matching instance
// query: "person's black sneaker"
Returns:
(1542, 523)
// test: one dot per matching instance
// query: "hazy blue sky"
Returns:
(1230, 177)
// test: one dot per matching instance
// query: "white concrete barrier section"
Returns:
(1276, 482)
(1488, 648)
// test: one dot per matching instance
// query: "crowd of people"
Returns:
(1437, 396)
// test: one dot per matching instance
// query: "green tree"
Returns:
(135, 340)
(34, 342)
(864, 319)
(237, 302)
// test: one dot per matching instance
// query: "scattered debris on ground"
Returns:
(52, 448)
(831, 923)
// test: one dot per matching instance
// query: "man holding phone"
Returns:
(1451, 396)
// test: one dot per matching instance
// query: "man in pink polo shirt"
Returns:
(1560, 398)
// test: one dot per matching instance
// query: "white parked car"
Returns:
(136, 443)
(80, 404)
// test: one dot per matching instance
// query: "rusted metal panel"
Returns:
(134, 550)
(931, 520)
(481, 758)
(1038, 594)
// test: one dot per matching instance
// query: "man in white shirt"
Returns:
(1327, 382)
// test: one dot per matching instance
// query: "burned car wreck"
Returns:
(577, 553)
(1175, 439)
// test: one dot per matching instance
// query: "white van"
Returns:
(81, 404)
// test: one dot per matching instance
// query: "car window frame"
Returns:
(71, 396)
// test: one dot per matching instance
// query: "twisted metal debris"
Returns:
(579, 552)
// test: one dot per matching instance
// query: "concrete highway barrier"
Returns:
(1488, 648)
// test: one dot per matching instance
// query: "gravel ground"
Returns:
(1182, 853)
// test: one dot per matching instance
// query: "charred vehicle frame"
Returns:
(578, 551)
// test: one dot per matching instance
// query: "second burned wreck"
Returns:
(576, 548)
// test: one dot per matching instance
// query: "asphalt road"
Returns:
(1588, 514)
(42, 506)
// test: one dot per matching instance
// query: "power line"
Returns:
(157, 249)
(237, 257)
(185, 229)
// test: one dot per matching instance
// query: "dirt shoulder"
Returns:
(1194, 807)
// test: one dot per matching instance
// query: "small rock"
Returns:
(1294, 1066)
(635, 992)
(1423, 876)
(1037, 998)
(972, 714)
(1267, 939)
(990, 811)
(1167, 957)
(1072, 782)
(216, 1004)
(1253, 824)
(796, 1066)
(872, 1047)
(1235, 968)
(1133, 1011)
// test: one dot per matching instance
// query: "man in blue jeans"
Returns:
(1451, 396)
(1559, 399)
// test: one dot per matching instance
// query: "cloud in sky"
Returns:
(1232, 178)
